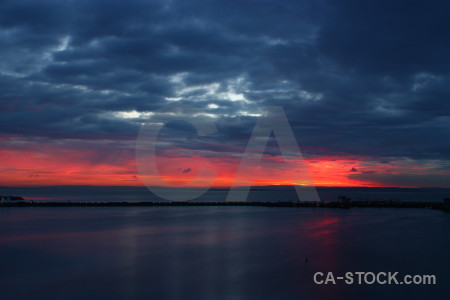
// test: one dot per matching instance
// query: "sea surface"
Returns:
(218, 252)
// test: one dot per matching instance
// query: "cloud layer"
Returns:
(363, 81)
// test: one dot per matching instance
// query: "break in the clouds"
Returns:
(364, 83)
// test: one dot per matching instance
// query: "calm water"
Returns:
(217, 252)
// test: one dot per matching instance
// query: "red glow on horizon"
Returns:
(57, 165)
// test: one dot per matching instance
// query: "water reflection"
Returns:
(216, 252)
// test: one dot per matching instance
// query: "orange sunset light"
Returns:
(61, 166)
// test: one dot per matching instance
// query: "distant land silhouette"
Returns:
(331, 197)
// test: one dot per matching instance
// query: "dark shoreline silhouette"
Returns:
(340, 204)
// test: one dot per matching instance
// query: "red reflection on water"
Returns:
(323, 231)
(317, 240)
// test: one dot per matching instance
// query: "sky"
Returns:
(364, 85)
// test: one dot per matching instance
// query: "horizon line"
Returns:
(219, 188)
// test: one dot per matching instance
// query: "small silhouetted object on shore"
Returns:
(345, 202)
(446, 204)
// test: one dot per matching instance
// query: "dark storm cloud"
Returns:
(388, 37)
(368, 78)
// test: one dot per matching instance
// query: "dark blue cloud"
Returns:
(365, 78)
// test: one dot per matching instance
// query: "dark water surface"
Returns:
(218, 252)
